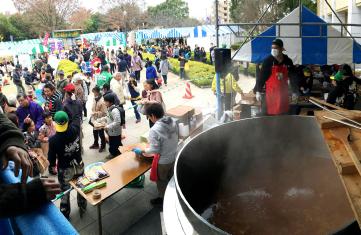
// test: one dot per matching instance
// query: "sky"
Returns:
(199, 9)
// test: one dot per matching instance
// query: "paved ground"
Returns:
(129, 211)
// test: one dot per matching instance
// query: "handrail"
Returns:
(46, 220)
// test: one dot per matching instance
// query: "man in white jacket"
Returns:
(116, 85)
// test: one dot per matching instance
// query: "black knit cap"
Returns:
(278, 42)
(109, 98)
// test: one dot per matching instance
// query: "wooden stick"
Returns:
(340, 115)
(342, 122)
(325, 103)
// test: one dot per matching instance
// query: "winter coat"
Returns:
(113, 120)
(36, 114)
(16, 199)
(117, 88)
(163, 140)
(151, 73)
(99, 107)
(164, 67)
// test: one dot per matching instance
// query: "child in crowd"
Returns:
(99, 110)
(31, 136)
(115, 120)
(134, 96)
(32, 142)
(46, 131)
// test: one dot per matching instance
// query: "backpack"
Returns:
(122, 114)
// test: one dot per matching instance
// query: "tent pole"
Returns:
(254, 28)
(300, 16)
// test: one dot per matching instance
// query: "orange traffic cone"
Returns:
(188, 94)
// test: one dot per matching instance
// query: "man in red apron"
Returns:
(274, 77)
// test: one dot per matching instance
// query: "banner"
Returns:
(46, 38)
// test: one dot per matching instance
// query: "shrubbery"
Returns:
(251, 69)
(200, 74)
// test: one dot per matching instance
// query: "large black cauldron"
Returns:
(270, 175)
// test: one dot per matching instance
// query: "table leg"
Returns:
(100, 219)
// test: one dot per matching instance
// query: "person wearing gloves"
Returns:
(275, 73)
(20, 198)
(115, 119)
(163, 143)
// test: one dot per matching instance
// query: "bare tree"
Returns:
(79, 18)
(123, 15)
(47, 15)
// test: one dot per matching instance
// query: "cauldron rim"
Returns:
(178, 188)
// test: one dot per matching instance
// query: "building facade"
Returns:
(349, 11)
(224, 11)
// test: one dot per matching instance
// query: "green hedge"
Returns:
(200, 74)
(235, 46)
(251, 69)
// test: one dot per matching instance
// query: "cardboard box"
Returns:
(181, 112)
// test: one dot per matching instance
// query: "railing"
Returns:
(46, 220)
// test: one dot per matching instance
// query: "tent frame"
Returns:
(250, 35)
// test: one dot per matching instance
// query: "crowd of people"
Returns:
(53, 125)
(178, 50)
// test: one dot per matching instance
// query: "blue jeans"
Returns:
(135, 107)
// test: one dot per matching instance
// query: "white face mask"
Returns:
(275, 52)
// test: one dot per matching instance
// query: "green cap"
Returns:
(61, 119)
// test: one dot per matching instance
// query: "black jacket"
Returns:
(266, 71)
(65, 146)
(17, 77)
(116, 99)
(3, 100)
(29, 79)
(16, 199)
(73, 108)
(122, 65)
